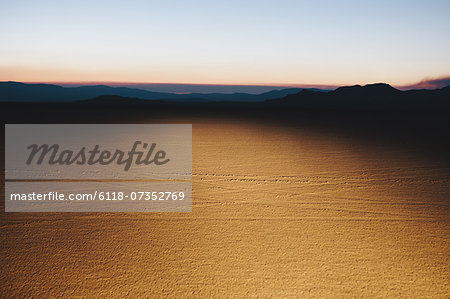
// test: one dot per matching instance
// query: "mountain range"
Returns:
(22, 92)
(370, 97)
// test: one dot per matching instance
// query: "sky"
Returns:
(225, 42)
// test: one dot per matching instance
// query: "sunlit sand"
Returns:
(277, 212)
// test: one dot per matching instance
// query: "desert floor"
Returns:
(278, 211)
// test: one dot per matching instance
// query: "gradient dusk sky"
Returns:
(225, 42)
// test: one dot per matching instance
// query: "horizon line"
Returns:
(99, 82)
(427, 83)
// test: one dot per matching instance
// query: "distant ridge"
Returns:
(379, 96)
(21, 92)
(371, 97)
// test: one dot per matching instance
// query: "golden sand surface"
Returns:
(277, 212)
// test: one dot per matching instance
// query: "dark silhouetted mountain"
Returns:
(15, 91)
(280, 93)
(21, 92)
(370, 97)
